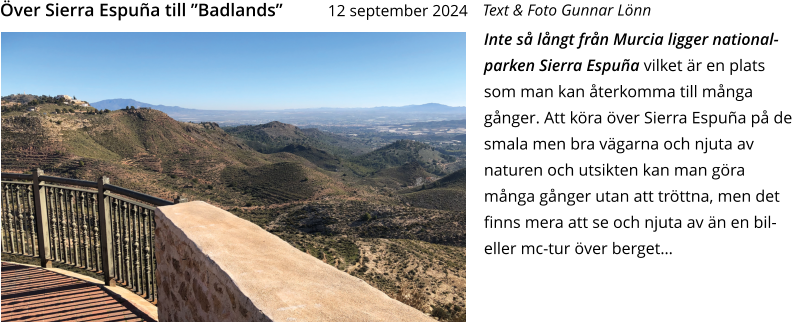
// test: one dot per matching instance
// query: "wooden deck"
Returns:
(36, 294)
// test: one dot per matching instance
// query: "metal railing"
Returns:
(105, 228)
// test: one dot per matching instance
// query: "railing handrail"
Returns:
(91, 184)
(137, 195)
(16, 176)
(69, 181)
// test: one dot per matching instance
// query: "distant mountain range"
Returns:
(121, 103)
(306, 116)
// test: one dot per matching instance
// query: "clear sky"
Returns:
(239, 71)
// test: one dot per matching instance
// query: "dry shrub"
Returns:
(414, 298)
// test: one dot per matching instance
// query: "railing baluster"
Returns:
(20, 243)
(14, 216)
(8, 216)
(117, 242)
(146, 261)
(23, 220)
(125, 234)
(152, 226)
(31, 220)
(75, 212)
(77, 234)
(98, 231)
(20, 222)
(132, 278)
(3, 221)
(64, 224)
(136, 248)
(4, 218)
(87, 229)
(52, 216)
(75, 237)
(85, 240)
(60, 213)
(88, 233)
(26, 221)
(97, 250)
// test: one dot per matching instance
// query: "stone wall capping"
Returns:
(214, 266)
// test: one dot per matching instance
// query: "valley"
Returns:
(384, 202)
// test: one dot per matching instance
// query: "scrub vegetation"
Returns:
(391, 214)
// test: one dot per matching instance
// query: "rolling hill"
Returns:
(276, 136)
(399, 153)
(145, 149)
(401, 240)
(406, 175)
(447, 193)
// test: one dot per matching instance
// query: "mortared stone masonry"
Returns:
(214, 266)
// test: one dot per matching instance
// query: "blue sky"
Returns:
(239, 71)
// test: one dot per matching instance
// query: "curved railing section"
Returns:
(94, 226)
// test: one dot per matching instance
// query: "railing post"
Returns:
(42, 221)
(105, 231)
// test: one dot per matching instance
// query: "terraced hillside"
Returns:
(372, 220)
(278, 182)
(30, 142)
(303, 189)
(145, 149)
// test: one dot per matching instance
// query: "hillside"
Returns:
(447, 193)
(277, 183)
(19, 104)
(407, 175)
(146, 150)
(300, 189)
(318, 157)
(401, 152)
(275, 136)
(456, 180)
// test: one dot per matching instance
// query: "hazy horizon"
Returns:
(150, 104)
(240, 71)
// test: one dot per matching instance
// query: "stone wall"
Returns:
(189, 286)
(214, 266)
